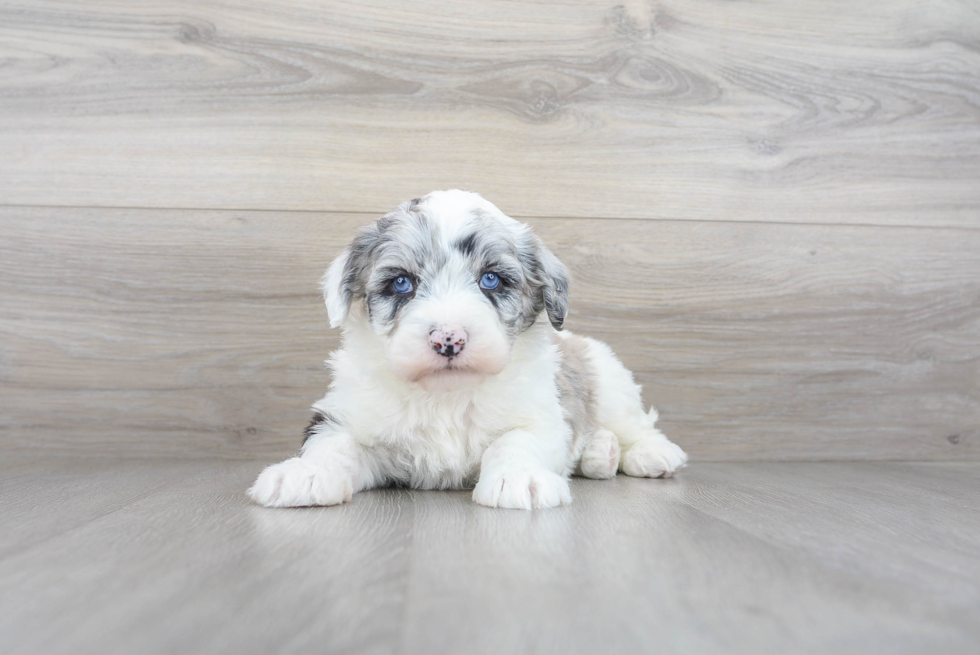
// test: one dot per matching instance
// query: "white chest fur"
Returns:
(434, 438)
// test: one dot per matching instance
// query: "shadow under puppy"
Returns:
(454, 372)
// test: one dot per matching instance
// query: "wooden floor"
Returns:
(130, 556)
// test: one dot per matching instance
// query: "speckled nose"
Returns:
(447, 341)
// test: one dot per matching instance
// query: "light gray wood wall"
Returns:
(191, 331)
(771, 210)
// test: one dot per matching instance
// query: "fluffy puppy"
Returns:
(454, 371)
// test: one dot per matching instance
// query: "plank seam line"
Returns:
(16, 451)
(522, 217)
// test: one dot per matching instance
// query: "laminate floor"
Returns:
(162, 556)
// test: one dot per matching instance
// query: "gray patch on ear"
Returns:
(343, 282)
(548, 280)
(359, 259)
(555, 287)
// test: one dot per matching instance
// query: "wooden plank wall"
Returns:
(771, 210)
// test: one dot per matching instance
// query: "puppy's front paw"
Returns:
(522, 489)
(298, 483)
(653, 458)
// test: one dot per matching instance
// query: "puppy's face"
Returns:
(446, 282)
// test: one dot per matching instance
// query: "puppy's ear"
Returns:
(344, 280)
(551, 278)
(337, 291)
(556, 281)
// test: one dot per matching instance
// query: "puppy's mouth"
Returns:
(450, 378)
(457, 372)
(414, 363)
(452, 365)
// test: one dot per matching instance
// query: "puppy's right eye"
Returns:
(402, 284)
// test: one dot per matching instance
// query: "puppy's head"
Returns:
(447, 282)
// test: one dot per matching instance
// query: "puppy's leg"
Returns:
(330, 470)
(517, 471)
(600, 457)
(651, 455)
(646, 452)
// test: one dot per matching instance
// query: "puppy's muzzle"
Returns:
(447, 341)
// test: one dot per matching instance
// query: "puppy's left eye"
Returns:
(489, 281)
(402, 284)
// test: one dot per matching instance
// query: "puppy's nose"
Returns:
(448, 342)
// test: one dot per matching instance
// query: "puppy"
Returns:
(454, 371)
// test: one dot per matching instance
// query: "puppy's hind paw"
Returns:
(600, 458)
(653, 457)
(522, 489)
(298, 483)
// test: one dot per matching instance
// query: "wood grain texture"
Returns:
(725, 558)
(189, 333)
(816, 111)
(216, 577)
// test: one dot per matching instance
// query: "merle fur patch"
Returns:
(406, 241)
(319, 419)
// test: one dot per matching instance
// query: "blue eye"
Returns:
(489, 281)
(402, 284)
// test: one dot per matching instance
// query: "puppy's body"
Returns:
(453, 384)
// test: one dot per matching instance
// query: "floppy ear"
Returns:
(336, 291)
(553, 278)
(343, 281)
(556, 282)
